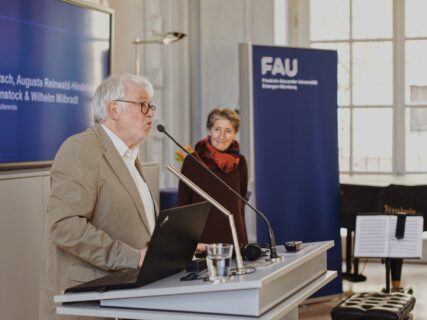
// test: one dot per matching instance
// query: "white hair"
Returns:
(114, 88)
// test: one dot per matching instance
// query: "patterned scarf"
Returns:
(227, 161)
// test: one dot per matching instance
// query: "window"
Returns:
(382, 83)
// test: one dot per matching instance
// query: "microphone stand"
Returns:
(272, 238)
(241, 269)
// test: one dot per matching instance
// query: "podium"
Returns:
(274, 291)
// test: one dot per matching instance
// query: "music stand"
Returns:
(354, 199)
(388, 236)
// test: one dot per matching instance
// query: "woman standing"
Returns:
(220, 152)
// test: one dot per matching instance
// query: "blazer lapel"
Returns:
(139, 168)
(120, 169)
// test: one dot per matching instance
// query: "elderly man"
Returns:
(101, 212)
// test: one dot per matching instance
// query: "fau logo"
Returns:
(279, 66)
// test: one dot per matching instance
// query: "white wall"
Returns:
(218, 27)
(128, 25)
(23, 198)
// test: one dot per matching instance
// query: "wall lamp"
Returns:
(163, 38)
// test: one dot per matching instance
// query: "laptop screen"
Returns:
(174, 241)
(172, 244)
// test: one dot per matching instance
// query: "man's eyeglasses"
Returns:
(145, 106)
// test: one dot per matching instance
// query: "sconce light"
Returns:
(164, 38)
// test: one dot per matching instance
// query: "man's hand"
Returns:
(201, 250)
(201, 247)
(142, 257)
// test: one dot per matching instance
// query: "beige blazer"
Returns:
(97, 222)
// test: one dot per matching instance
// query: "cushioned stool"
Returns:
(375, 306)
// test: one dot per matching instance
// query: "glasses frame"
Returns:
(143, 105)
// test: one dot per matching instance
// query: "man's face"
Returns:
(133, 125)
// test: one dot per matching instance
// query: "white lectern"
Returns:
(274, 291)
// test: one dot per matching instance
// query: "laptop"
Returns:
(172, 244)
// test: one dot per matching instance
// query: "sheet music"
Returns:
(375, 237)
(371, 236)
(411, 244)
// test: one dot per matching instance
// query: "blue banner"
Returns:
(296, 147)
(53, 56)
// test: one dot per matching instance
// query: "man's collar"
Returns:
(121, 147)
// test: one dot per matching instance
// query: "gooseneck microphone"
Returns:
(272, 238)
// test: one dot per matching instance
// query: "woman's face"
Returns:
(222, 134)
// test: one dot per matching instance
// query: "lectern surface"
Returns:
(286, 310)
(286, 283)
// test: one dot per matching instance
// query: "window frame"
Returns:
(299, 36)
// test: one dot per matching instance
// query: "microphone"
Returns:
(272, 238)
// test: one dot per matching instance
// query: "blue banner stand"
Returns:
(288, 105)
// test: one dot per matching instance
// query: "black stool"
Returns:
(375, 306)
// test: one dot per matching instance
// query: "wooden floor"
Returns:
(413, 276)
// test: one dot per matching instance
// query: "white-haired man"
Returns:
(101, 212)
